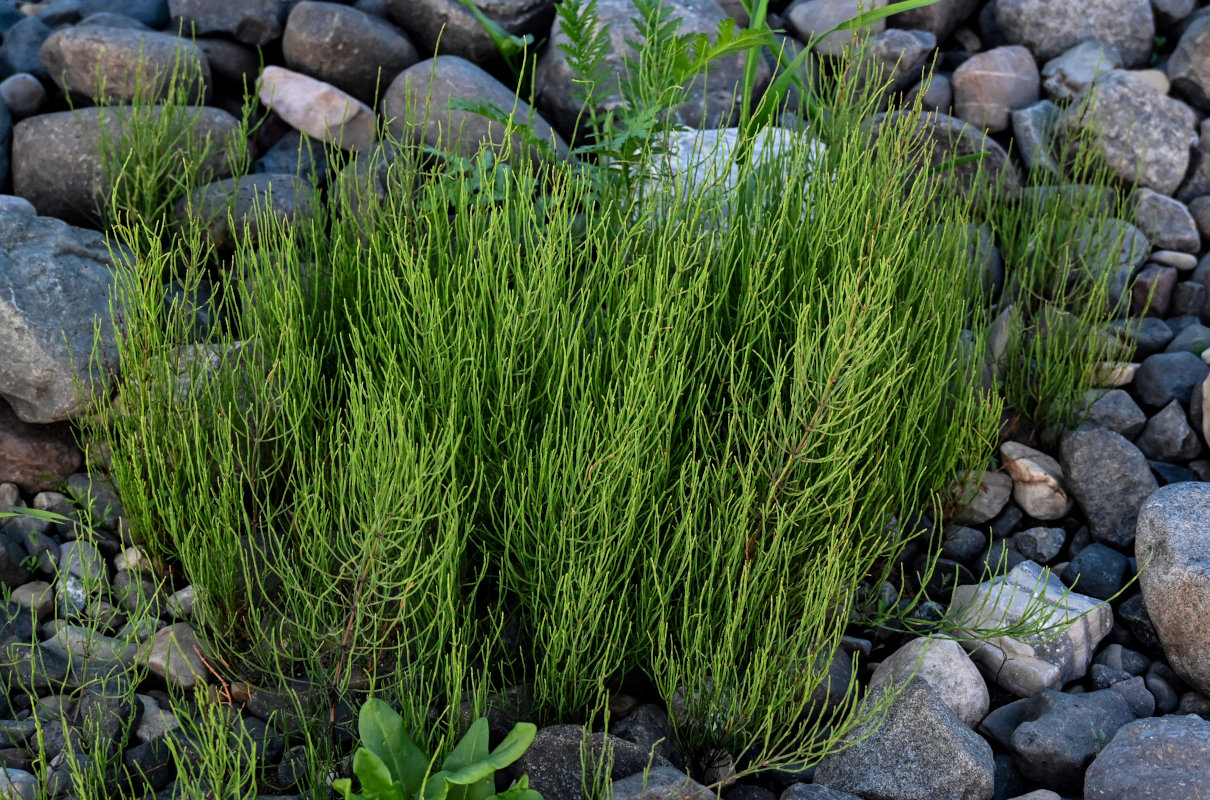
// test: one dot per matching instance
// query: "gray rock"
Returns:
(1173, 551)
(22, 93)
(1188, 298)
(174, 657)
(920, 751)
(1109, 245)
(1064, 76)
(1109, 478)
(1197, 178)
(17, 784)
(990, 85)
(553, 765)
(985, 500)
(1033, 133)
(230, 61)
(814, 791)
(662, 783)
(645, 726)
(463, 36)
(1151, 292)
(961, 543)
(1168, 437)
(244, 202)
(152, 13)
(106, 19)
(1189, 64)
(1170, 12)
(354, 51)
(295, 154)
(1060, 734)
(122, 66)
(57, 162)
(1166, 222)
(22, 44)
(939, 19)
(1184, 262)
(1039, 545)
(35, 457)
(1193, 338)
(254, 22)
(1048, 28)
(1165, 377)
(557, 92)
(56, 282)
(811, 18)
(1097, 571)
(938, 93)
(462, 132)
(1024, 667)
(947, 669)
(1165, 757)
(896, 58)
(1116, 411)
(1199, 209)
(1129, 661)
(1144, 134)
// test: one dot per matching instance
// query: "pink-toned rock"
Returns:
(35, 457)
(1037, 481)
(318, 109)
(989, 86)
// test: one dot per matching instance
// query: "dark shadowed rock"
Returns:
(1165, 758)
(254, 22)
(1189, 66)
(1110, 480)
(939, 19)
(460, 33)
(35, 457)
(552, 761)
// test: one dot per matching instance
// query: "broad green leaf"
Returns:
(383, 734)
(518, 791)
(514, 745)
(468, 768)
(344, 788)
(376, 782)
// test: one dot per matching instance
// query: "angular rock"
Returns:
(1040, 545)
(1109, 245)
(1151, 293)
(1189, 65)
(1165, 757)
(1165, 377)
(896, 59)
(990, 85)
(1168, 437)
(1144, 134)
(1038, 486)
(357, 53)
(1023, 667)
(985, 500)
(947, 669)
(1166, 222)
(921, 751)
(1033, 134)
(254, 22)
(318, 109)
(461, 34)
(1064, 76)
(662, 783)
(174, 657)
(57, 164)
(1097, 571)
(1117, 411)
(1048, 28)
(553, 762)
(1173, 552)
(447, 77)
(124, 66)
(1109, 478)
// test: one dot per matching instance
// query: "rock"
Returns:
(1175, 259)
(357, 53)
(254, 22)
(939, 19)
(920, 751)
(57, 164)
(646, 726)
(811, 18)
(1194, 339)
(985, 500)
(21, 47)
(174, 657)
(11, 204)
(990, 85)
(1199, 208)
(1166, 222)
(22, 93)
(1189, 64)
(961, 543)
(1060, 734)
(1037, 481)
(1117, 411)
(244, 203)
(1165, 757)
(1144, 134)
(447, 77)
(1109, 478)
(56, 281)
(1019, 666)
(1097, 571)
(152, 13)
(662, 783)
(461, 34)
(1168, 437)
(947, 669)
(1197, 177)
(318, 109)
(814, 791)
(938, 93)
(896, 59)
(1039, 545)
(1165, 377)
(1048, 28)
(553, 762)
(124, 66)
(231, 62)
(1064, 76)
(16, 784)
(1151, 292)
(1172, 550)
(557, 93)
(35, 457)
(1109, 245)
(1033, 134)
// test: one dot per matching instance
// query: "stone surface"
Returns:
(984, 500)
(1048, 28)
(939, 19)
(122, 66)
(1165, 377)
(1144, 134)
(1168, 437)
(811, 18)
(1022, 667)
(990, 85)
(357, 53)
(947, 669)
(1166, 222)
(35, 457)
(1038, 486)
(1173, 552)
(1189, 65)
(1109, 478)
(1165, 758)
(318, 109)
(1033, 134)
(175, 658)
(244, 204)
(254, 22)
(461, 34)
(552, 761)
(1039, 545)
(921, 751)
(1117, 411)
(662, 783)
(22, 93)
(1064, 76)
(1097, 571)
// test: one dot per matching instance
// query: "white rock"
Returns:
(1025, 667)
(318, 109)
(1174, 258)
(1114, 373)
(133, 559)
(155, 721)
(180, 603)
(947, 668)
(1037, 481)
(174, 657)
(986, 500)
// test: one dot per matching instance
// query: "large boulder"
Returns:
(254, 22)
(554, 765)
(1048, 28)
(1164, 758)
(1173, 551)
(123, 65)
(56, 287)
